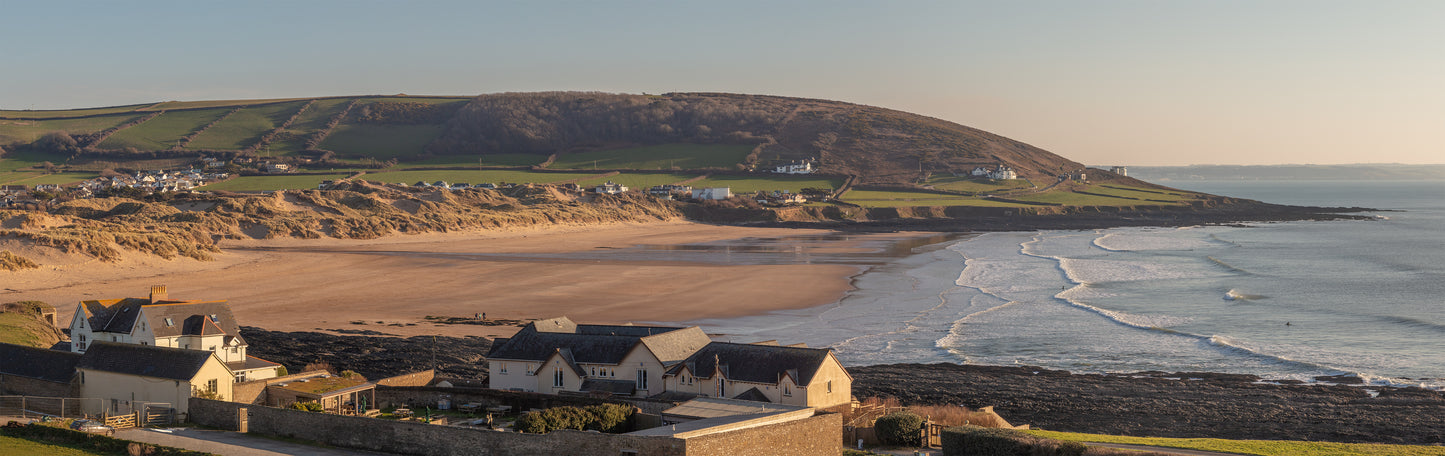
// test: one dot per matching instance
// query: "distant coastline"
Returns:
(1362, 171)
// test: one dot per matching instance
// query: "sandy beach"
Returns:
(391, 284)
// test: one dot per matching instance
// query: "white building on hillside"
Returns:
(712, 193)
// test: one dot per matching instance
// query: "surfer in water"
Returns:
(1287, 324)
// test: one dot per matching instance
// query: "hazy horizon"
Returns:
(1135, 83)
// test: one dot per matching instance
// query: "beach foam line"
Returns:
(1227, 266)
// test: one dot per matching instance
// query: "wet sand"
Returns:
(654, 272)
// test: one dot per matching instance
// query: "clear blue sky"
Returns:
(1143, 82)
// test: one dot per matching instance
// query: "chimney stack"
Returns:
(158, 293)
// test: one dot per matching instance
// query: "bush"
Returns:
(981, 441)
(307, 406)
(611, 418)
(900, 428)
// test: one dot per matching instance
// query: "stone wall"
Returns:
(428, 396)
(411, 438)
(815, 436)
(422, 378)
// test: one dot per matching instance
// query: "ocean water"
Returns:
(1289, 300)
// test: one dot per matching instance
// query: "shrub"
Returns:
(96, 443)
(610, 418)
(306, 406)
(981, 441)
(900, 428)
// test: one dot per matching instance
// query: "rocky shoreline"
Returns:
(1238, 212)
(1157, 404)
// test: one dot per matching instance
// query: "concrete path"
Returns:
(228, 443)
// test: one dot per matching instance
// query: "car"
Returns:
(92, 426)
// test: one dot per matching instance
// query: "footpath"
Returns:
(227, 443)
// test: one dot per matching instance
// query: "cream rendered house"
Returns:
(127, 376)
(162, 322)
(763, 372)
(556, 355)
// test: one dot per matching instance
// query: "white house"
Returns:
(1120, 170)
(610, 188)
(126, 376)
(712, 193)
(159, 321)
(795, 167)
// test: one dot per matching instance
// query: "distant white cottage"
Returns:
(795, 167)
(1000, 173)
(712, 193)
(1120, 170)
(611, 188)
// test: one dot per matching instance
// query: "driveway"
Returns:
(227, 443)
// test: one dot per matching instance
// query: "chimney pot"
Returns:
(158, 293)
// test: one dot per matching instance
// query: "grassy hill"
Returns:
(558, 130)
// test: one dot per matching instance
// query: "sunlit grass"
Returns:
(1255, 447)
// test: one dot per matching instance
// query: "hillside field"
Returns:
(661, 157)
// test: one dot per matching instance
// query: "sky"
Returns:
(1103, 82)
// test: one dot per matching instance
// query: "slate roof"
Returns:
(38, 363)
(596, 344)
(752, 394)
(533, 346)
(144, 360)
(251, 363)
(187, 317)
(754, 363)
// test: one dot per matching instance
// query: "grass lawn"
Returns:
(380, 141)
(663, 157)
(314, 119)
(245, 127)
(163, 131)
(889, 198)
(27, 131)
(15, 446)
(638, 181)
(46, 114)
(267, 183)
(57, 178)
(16, 160)
(21, 329)
(473, 177)
(750, 184)
(8, 178)
(1256, 447)
(973, 185)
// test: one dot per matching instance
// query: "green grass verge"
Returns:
(268, 183)
(47, 114)
(662, 157)
(245, 127)
(473, 177)
(1255, 447)
(163, 131)
(638, 181)
(15, 446)
(27, 131)
(380, 141)
(890, 198)
(972, 185)
(749, 184)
